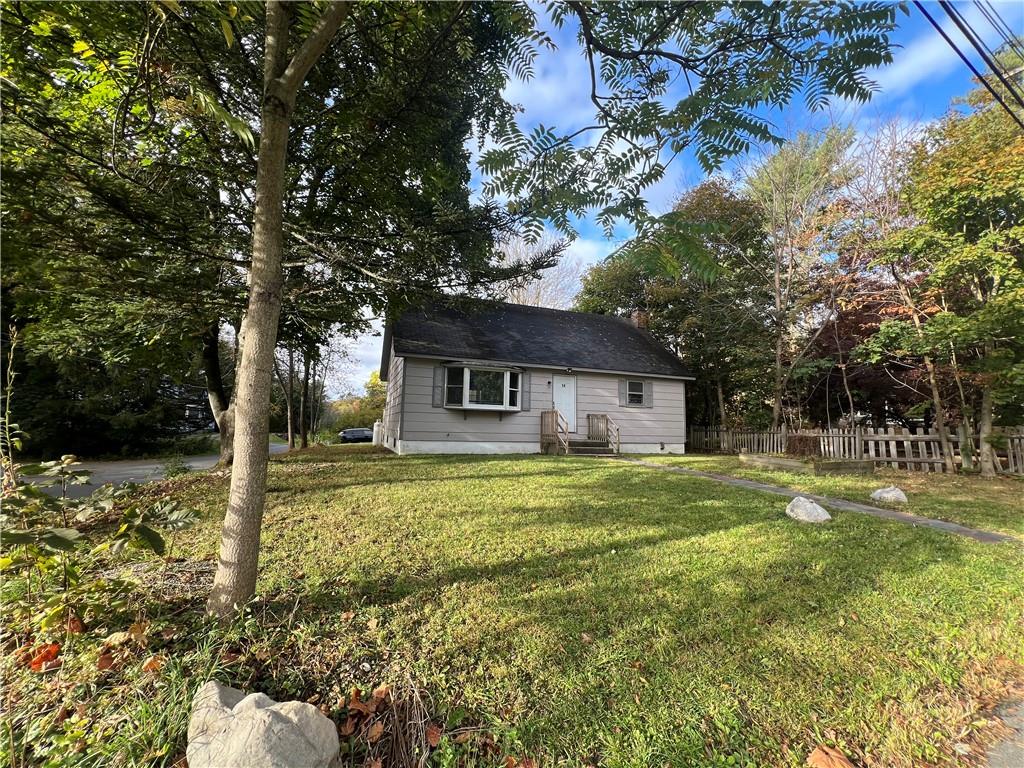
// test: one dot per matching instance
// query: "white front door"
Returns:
(564, 397)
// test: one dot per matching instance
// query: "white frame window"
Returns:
(635, 389)
(459, 391)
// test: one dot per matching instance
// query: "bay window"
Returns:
(482, 388)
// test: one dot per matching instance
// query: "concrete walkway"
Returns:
(988, 537)
(1009, 752)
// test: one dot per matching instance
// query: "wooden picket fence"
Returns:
(916, 450)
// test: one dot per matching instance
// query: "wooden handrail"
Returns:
(614, 433)
(562, 431)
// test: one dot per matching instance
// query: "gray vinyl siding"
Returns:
(424, 422)
(595, 393)
(663, 422)
(393, 400)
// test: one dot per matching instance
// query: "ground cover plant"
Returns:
(995, 504)
(555, 609)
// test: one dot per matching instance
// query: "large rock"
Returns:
(806, 511)
(231, 730)
(891, 495)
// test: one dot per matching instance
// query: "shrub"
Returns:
(803, 445)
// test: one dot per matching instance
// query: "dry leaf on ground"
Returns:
(827, 757)
(433, 734)
(44, 657)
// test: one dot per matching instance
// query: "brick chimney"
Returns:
(640, 318)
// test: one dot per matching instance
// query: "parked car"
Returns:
(356, 435)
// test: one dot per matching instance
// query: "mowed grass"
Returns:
(995, 504)
(593, 612)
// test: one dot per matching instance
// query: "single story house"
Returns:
(491, 377)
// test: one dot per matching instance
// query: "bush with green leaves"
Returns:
(43, 539)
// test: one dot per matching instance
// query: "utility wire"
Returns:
(969, 63)
(999, 24)
(980, 47)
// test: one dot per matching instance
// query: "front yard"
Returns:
(992, 504)
(580, 611)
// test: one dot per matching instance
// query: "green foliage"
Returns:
(715, 317)
(966, 188)
(175, 466)
(637, 53)
(361, 411)
(41, 538)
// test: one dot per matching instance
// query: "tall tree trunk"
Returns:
(779, 383)
(933, 379)
(304, 401)
(721, 403)
(940, 416)
(986, 453)
(235, 581)
(289, 394)
(220, 402)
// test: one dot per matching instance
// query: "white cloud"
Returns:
(589, 251)
(929, 57)
(362, 358)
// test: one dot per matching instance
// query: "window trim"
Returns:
(643, 390)
(468, 406)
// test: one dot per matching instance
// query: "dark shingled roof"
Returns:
(521, 335)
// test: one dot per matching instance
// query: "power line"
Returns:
(969, 63)
(999, 24)
(986, 55)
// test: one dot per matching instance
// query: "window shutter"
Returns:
(524, 391)
(438, 397)
(648, 394)
(622, 393)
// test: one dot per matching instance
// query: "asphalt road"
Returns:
(137, 471)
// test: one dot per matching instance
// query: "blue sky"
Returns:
(925, 76)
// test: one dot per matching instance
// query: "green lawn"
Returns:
(584, 611)
(996, 504)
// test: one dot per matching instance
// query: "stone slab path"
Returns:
(1009, 753)
(987, 537)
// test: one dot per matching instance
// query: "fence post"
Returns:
(858, 442)
(785, 434)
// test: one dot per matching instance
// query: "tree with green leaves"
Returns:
(348, 77)
(718, 323)
(962, 265)
(795, 189)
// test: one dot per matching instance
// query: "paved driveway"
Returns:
(137, 471)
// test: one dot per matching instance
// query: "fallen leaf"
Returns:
(372, 624)
(586, 637)
(117, 638)
(375, 732)
(348, 727)
(356, 703)
(137, 632)
(75, 625)
(382, 692)
(105, 661)
(375, 763)
(827, 757)
(433, 734)
(44, 654)
(229, 657)
(348, 615)
(153, 664)
(463, 737)
(527, 762)
(62, 714)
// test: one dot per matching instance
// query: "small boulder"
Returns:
(806, 511)
(231, 730)
(891, 495)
